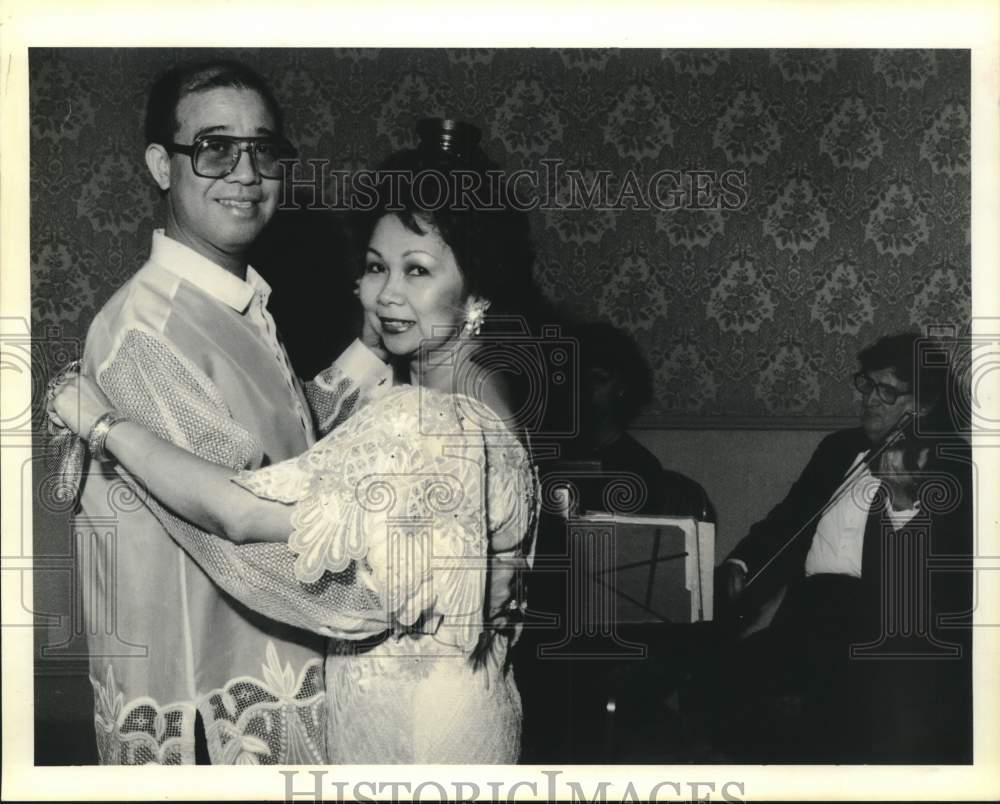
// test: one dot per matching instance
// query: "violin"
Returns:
(757, 592)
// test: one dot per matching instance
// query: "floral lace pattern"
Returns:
(277, 720)
(333, 397)
(407, 510)
(140, 732)
(423, 492)
(415, 494)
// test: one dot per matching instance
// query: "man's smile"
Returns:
(240, 207)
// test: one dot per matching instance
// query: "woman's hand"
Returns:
(77, 403)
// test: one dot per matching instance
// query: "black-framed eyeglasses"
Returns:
(214, 156)
(887, 393)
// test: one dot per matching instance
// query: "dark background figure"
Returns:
(861, 663)
(567, 699)
(615, 385)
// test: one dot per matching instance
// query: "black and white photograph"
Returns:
(617, 408)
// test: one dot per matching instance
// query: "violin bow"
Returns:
(891, 439)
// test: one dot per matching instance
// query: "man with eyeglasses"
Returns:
(857, 647)
(188, 348)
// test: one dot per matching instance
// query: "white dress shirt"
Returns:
(839, 539)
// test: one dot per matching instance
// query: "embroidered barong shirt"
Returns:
(191, 352)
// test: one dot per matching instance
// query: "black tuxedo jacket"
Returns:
(944, 524)
(798, 513)
(903, 620)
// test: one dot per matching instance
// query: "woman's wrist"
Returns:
(97, 436)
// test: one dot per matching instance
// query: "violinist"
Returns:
(858, 664)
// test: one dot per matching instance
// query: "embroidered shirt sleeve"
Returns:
(336, 392)
(153, 384)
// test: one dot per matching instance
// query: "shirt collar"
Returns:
(205, 275)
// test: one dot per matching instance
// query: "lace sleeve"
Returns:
(262, 577)
(284, 482)
(390, 528)
(332, 397)
(161, 389)
(433, 505)
(353, 380)
(157, 387)
(398, 493)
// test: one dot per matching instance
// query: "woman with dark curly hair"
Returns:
(400, 535)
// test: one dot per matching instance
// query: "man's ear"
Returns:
(158, 162)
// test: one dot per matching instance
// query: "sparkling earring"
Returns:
(475, 314)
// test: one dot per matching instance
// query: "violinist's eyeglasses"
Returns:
(214, 156)
(887, 393)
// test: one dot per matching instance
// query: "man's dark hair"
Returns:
(185, 79)
(897, 352)
(932, 380)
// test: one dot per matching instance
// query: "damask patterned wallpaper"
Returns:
(845, 213)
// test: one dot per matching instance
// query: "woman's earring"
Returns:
(475, 314)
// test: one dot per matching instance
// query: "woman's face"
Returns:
(412, 290)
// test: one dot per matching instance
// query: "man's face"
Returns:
(877, 416)
(220, 218)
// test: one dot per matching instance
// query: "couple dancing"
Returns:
(350, 599)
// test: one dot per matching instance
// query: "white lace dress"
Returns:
(405, 517)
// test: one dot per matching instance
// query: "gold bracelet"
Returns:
(98, 437)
